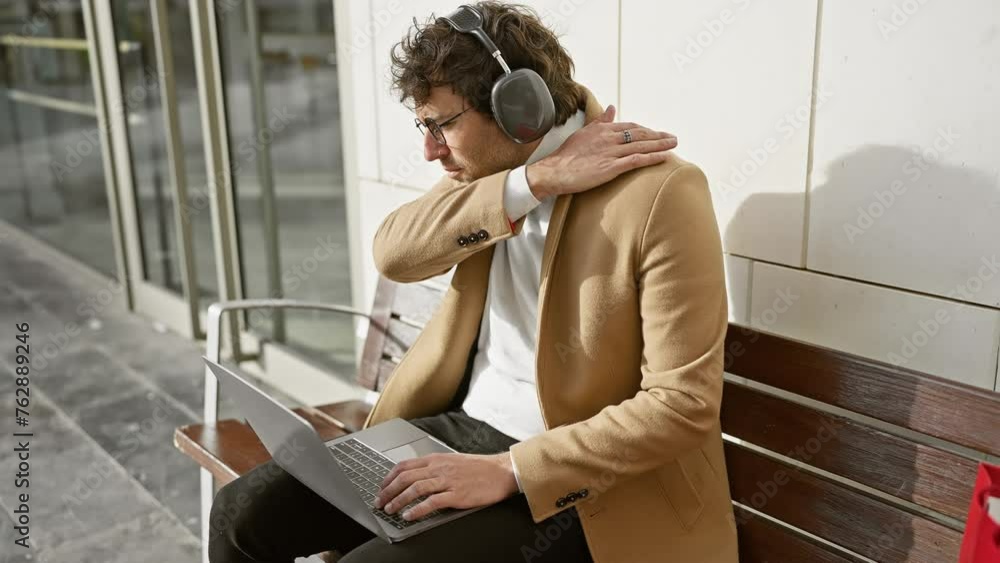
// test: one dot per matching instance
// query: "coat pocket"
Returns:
(682, 482)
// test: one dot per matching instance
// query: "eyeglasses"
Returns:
(435, 128)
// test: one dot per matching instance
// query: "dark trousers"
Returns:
(268, 516)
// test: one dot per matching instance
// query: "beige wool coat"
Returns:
(631, 327)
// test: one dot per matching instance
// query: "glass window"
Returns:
(285, 150)
(52, 181)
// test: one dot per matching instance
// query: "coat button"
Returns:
(572, 497)
(473, 237)
(561, 502)
(462, 241)
(583, 493)
(483, 235)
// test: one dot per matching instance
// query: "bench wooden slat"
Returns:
(399, 337)
(763, 541)
(945, 409)
(849, 518)
(385, 369)
(416, 301)
(921, 474)
(385, 293)
(229, 448)
(351, 414)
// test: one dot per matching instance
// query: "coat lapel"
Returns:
(592, 111)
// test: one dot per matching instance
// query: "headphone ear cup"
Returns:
(522, 105)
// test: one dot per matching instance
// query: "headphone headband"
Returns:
(521, 102)
(467, 19)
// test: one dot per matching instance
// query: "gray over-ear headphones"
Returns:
(521, 102)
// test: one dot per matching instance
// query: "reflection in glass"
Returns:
(284, 133)
(51, 168)
(154, 194)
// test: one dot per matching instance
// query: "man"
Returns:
(576, 359)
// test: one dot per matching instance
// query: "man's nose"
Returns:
(433, 150)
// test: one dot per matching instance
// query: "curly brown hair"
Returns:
(436, 55)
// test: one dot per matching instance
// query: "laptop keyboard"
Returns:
(366, 468)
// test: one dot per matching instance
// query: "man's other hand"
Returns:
(596, 154)
(450, 480)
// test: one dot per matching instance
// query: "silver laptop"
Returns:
(346, 471)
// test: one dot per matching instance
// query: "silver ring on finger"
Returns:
(628, 135)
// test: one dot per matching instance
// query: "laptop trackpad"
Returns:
(423, 446)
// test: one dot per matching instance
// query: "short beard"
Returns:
(498, 153)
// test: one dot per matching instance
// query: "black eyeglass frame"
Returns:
(435, 128)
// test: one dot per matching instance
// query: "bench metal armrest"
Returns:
(213, 351)
(213, 347)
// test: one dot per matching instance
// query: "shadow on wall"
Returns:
(894, 214)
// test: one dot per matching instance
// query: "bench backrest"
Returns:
(829, 455)
(398, 314)
(888, 455)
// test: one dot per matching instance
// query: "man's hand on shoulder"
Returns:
(451, 480)
(597, 154)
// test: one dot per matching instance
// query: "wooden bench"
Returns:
(829, 455)
(876, 459)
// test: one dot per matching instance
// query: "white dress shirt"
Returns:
(502, 385)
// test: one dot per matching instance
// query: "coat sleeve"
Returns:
(684, 315)
(420, 239)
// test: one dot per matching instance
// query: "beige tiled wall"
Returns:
(733, 81)
(929, 334)
(905, 187)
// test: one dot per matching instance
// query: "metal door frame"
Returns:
(177, 311)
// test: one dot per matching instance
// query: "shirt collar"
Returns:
(557, 136)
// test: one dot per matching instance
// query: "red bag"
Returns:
(981, 542)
